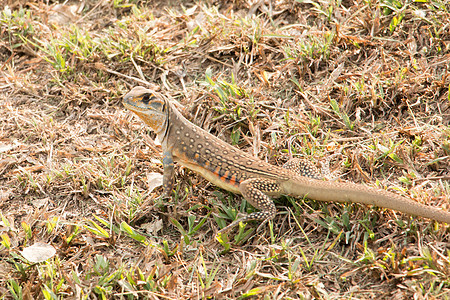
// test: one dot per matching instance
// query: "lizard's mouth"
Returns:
(133, 105)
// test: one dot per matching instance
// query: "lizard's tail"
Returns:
(356, 193)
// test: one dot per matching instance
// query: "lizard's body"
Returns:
(239, 172)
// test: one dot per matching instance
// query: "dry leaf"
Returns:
(7, 147)
(38, 252)
(154, 180)
(38, 203)
(154, 227)
(65, 14)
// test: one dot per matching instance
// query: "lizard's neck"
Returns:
(174, 118)
(161, 135)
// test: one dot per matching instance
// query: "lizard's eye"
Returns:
(147, 98)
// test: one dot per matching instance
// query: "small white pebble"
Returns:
(420, 13)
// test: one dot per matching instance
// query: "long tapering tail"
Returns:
(356, 193)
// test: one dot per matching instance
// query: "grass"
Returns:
(280, 79)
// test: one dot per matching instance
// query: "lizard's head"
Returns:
(150, 106)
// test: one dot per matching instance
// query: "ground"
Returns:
(365, 80)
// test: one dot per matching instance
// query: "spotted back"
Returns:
(192, 144)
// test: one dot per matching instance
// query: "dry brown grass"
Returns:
(75, 167)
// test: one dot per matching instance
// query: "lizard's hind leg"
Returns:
(306, 168)
(303, 167)
(255, 191)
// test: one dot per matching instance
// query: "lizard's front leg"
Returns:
(168, 174)
(254, 191)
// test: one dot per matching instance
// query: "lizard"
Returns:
(239, 172)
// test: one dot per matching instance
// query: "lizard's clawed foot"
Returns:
(263, 223)
(235, 223)
(227, 228)
(165, 196)
(326, 173)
